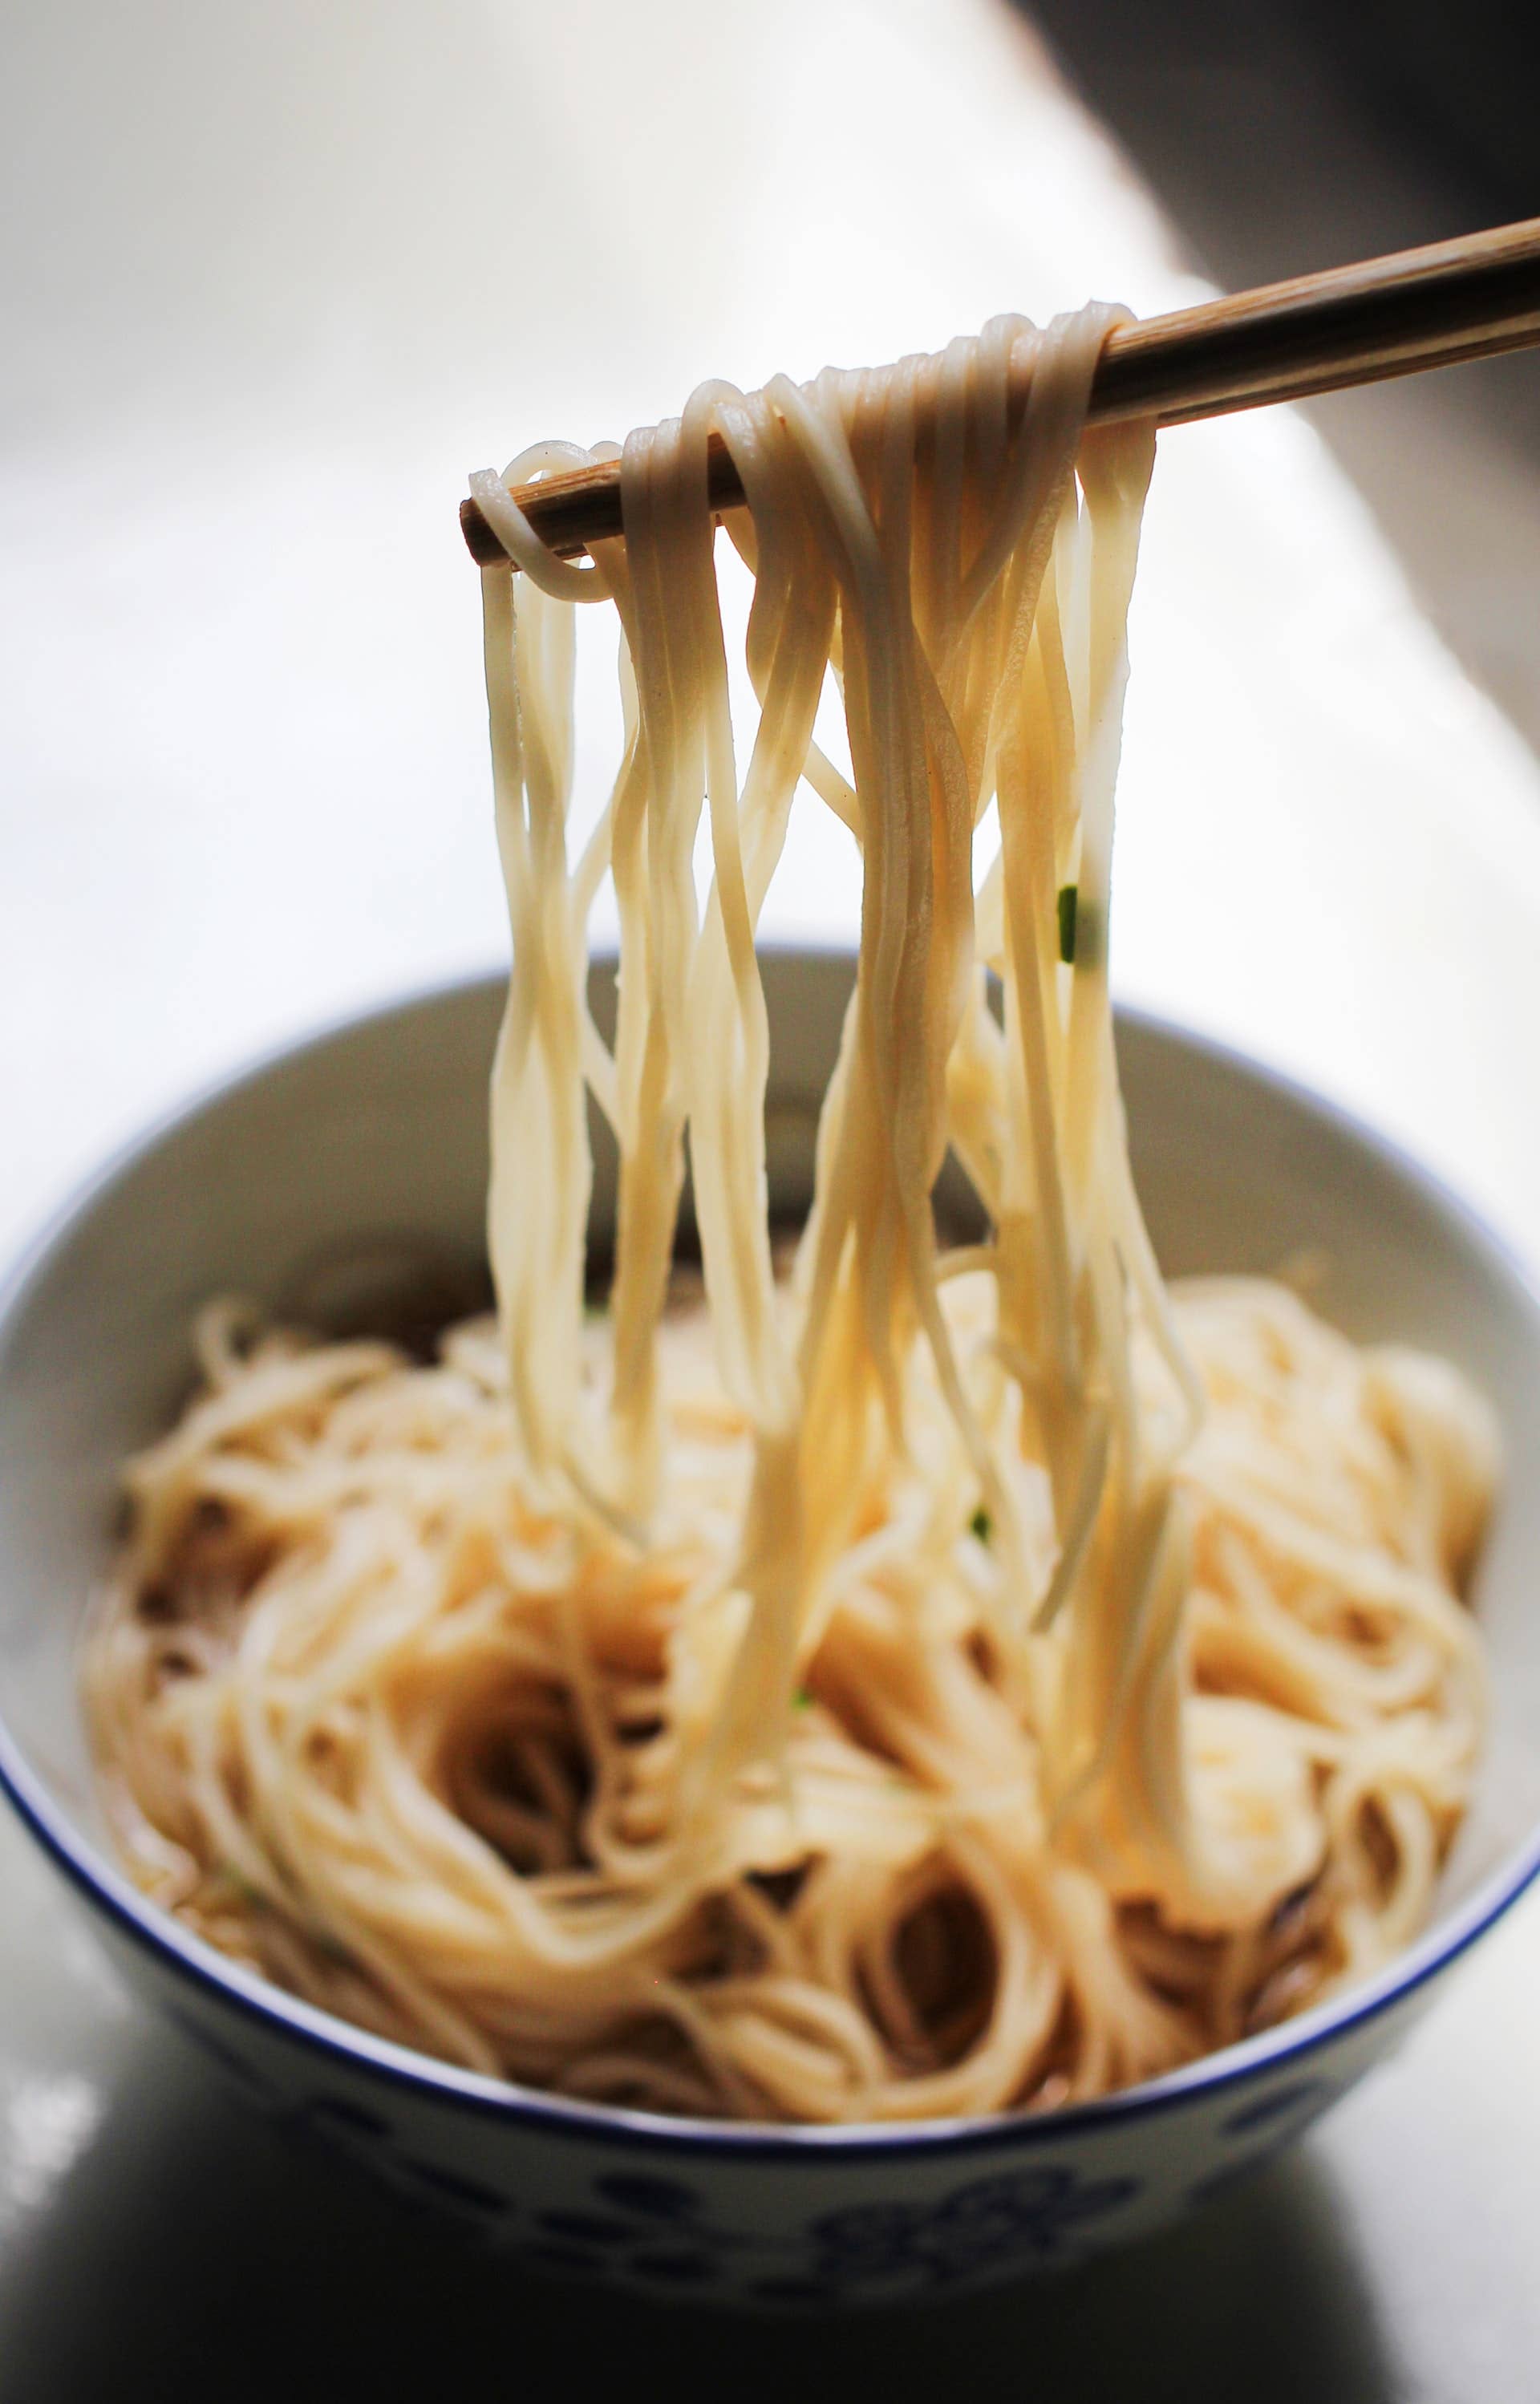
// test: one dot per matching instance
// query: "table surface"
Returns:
(276, 281)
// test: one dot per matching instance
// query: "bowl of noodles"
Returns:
(341, 1188)
(849, 1644)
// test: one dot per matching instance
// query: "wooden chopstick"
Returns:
(1429, 308)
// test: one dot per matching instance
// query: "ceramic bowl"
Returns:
(344, 1180)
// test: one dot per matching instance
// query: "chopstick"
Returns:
(1429, 308)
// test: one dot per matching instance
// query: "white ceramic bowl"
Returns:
(349, 1174)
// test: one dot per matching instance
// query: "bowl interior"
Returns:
(344, 1183)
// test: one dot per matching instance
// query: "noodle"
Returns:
(937, 1683)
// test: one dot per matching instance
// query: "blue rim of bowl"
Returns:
(286, 2019)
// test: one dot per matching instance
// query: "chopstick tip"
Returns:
(480, 540)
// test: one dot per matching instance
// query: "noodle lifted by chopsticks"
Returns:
(950, 1682)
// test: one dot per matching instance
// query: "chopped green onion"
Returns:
(982, 1525)
(1068, 903)
(803, 1700)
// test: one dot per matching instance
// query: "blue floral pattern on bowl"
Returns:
(1018, 2195)
(1015, 2219)
(658, 2231)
